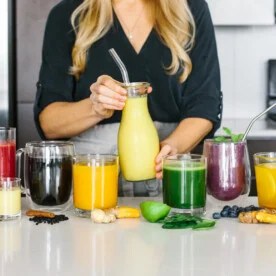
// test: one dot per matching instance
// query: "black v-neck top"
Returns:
(171, 101)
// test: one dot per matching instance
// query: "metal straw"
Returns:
(120, 64)
(255, 119)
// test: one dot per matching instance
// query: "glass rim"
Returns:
(173, 156)
(7, 128)
(50, 143)
(7, 179)
(95, 156)
(136, 84)
(265, 156)
(228, 141)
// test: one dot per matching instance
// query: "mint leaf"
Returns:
(227, 131)
(220, 139)
(234, 137)
(240, 136)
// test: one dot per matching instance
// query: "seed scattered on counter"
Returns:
(56, 219)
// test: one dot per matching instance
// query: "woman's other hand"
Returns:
(166, 149)
(107, 95)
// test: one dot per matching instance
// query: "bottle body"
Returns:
(138, 142)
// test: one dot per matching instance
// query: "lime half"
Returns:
(153, 211)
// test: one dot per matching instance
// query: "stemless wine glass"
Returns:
(228, 170)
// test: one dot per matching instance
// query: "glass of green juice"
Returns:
(184, 183)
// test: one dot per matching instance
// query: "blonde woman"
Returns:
(169, 43)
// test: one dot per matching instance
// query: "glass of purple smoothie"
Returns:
(228, 170)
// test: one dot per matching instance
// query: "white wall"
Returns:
(243, 54)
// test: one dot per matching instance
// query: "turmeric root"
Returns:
(110, 215)
(262, 216)
(266, 217)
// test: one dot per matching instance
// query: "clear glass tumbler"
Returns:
(265, 171)
(184, 183)
(95, 182)
(10, 198)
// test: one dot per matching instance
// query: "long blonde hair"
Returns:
(175, 27)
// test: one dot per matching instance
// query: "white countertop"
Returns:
(262, 128)
(135, 247)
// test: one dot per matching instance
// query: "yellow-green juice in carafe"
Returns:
(138, 142)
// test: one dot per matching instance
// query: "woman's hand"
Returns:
(107, 95)
(166, 149)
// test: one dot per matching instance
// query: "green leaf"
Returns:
(227, 131)
(234, 137)
(220, 139)
(204, 224)
(179, 225)
(240, 136)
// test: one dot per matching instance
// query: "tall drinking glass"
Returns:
(265, 170)
(95, 182)
(184, 183)
(7, 151)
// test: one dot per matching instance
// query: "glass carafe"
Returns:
(228, 171)
(138, 142)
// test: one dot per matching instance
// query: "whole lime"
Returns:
(153, 211)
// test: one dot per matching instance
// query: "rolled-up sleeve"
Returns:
(202, 96)
(55, 84)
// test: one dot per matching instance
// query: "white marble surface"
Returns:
(262, 128)
(135, 247)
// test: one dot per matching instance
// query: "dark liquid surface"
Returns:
(184, 189)
(49, 179)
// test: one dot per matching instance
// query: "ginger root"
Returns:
(262, 216)
(100, 216)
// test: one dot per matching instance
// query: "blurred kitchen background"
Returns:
(246, 39)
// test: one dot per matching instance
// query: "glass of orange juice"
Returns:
(265, 171)
(95, 182)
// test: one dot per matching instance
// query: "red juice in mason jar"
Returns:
(7, 152)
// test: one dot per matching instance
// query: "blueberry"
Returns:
(240, 209)
(224, 213)
(247, 209)
(226, 207)
(216, 215)
(233, 214)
